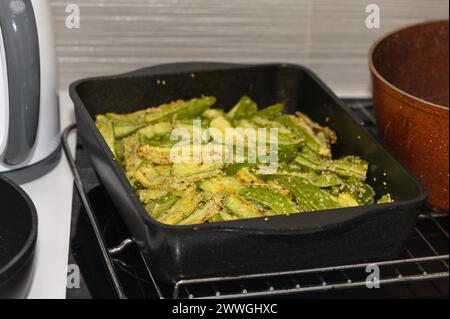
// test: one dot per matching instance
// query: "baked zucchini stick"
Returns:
(202, 214)
(349, 166)
(177, 110)
(181, 209)
(106, 128)
(308, 197)
(241, 208)
(301, 128)
(243, 108)
(157, 208)
(279, 204)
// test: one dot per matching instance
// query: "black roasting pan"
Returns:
(255, 245)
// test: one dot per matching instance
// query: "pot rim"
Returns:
(29, 246)
(375, 72)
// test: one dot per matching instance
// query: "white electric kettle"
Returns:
(29, 111)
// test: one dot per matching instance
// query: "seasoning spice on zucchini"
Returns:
(306, 179)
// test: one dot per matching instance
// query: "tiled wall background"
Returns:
(328, 36)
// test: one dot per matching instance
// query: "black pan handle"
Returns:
(21, 46)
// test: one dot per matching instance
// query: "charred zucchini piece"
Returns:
(135, 117)
(177, 110)
(202, 214)
(190, 169)
(261, 122)
(233, 169)
(131, 160)
(385, 199)
(288, 142)
(221, 123)
(120, 152)
(181, 209)
(325, 133)
(308, 197)
(148, 177)
(241, 208)
(362, 193)
(246, 177)
(181, 110)
(323, 179)
(270, 112)
(349, 166)
(216, 219)
(304, 131)
(312, 161)
(287, 152)
(155, 154)
(279, 203)
(243, 108)
(347, 200)
(178, 186)
(106, 128)
(131, 145)
(213, 113)
(156, 208)
(154, 130)
(147, 195)
(202, 176)
(123, 129)
(221, 185)
(197, 172)
(164, 170)
(225, 216)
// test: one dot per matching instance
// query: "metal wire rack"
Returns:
(425, 259)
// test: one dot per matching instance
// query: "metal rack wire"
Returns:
(432, 264)
(424, 259)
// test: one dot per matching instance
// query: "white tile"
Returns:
(328, 36)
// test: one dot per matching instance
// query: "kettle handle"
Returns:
(21, 47)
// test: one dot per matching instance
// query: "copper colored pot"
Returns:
(409, 71)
